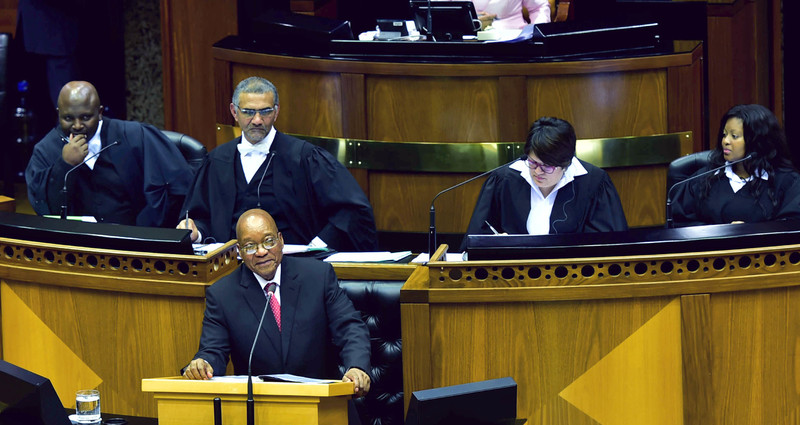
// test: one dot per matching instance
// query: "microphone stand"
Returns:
(251, 413)
(429, 23)
(432, 228)
(64, 188)
(669, 224)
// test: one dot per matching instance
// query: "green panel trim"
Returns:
(479, 157)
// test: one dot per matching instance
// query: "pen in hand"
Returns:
(491, 228)
(186, 222)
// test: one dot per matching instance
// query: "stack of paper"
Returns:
(367, 257)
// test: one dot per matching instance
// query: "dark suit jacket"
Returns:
(314, 311)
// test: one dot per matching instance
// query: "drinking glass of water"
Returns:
(87, 406)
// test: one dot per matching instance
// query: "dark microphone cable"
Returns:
(258, 189)
(564, 208)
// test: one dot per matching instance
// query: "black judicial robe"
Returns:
(318, 195)
(589, 203)
(724, 206)
(149, 176)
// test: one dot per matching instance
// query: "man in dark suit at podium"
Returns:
(307, 310)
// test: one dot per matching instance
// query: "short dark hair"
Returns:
(255, 85)
(552, 140)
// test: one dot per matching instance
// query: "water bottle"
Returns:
(23, 116)
(23, 123)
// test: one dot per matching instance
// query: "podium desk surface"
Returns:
(179, 384)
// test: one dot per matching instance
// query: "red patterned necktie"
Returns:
(275, 306)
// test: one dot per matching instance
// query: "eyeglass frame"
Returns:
(544, 167)
(266, 244)
(251, 113)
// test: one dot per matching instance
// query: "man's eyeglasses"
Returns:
(547, 169)
(250, 113)
(251, 248)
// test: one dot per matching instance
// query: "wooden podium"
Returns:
(183, 401)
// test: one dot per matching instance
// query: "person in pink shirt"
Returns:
(507, 14)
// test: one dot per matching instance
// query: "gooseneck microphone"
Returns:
(669, 224)
(251, 415)
(64, 188)
(432, 229)
(429, 23)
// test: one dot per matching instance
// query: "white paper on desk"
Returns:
(230, 378)
(294, 249)
(454, 257)
(287, 377)
(205, 248)
(83, 218)
(367, 257)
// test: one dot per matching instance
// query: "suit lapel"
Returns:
(256, 300)
(290, 291)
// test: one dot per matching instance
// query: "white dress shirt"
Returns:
(95, 144)
(277, 279)
(542, 206)
(737, 182)
(253, 155)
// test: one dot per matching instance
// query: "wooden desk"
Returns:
(182, 401)
(691, 338)
(89, 318)
(7, 204)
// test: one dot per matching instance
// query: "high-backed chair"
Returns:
(5, 119)
(683, 167)
(379, 304)
(191, 148)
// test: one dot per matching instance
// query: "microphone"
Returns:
(429, 23)
(250, 402)
(669, 224)
(258, 189)
(64, 188)
(432, 229)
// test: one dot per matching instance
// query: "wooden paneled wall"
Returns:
(402, 102)
(741, 62)
(8, 16)
(188, 30)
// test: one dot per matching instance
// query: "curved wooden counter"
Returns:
(471, 103)
(90, 318)
(476, 102)
(694, 338)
